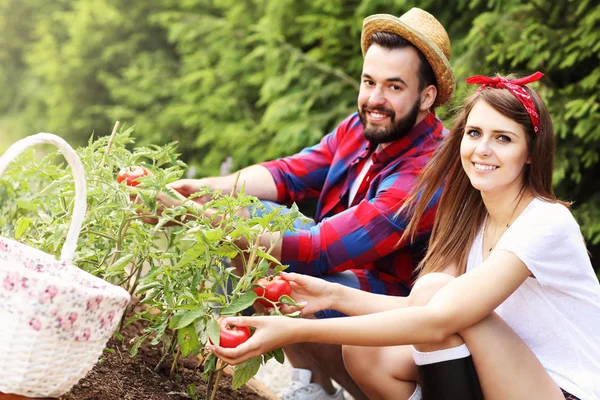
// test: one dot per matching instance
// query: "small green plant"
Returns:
(178, 267)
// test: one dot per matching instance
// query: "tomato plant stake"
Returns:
(110, 140)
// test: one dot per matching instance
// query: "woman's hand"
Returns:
(315, 293)
(271, 333)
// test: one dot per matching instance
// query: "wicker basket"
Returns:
(55, 319)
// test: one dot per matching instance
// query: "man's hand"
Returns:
(188, 187)
(168, 201)
(271, 333)
(315, 293)
(163, 200)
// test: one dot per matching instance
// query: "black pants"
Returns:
(450, 380)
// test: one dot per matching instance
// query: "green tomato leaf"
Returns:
(279, 355)
(145, 288)
(27, 204)
(210, 364)
(279, 268)
(186, 318)
(150, 296)
(22, 226)
(240, 304)
(187, 338)
(244, 371)
(214, 331)
(263, 268)
(288, 300)
(120, 263)
(136, 345)
(266, 357)
(267, 256)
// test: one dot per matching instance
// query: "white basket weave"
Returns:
(55, 319)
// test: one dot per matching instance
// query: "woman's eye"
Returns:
(472, 133)
(504, 139)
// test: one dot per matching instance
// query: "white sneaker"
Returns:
(302, 389)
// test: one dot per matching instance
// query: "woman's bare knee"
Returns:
(427, 286)
(354, 360)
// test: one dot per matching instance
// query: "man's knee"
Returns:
(427, 286)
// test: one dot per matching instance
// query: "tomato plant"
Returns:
(131, 175)
(272, 288)
(176, 268)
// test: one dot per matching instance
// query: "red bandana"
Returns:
(515, 87)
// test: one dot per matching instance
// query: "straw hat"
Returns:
(426, 33)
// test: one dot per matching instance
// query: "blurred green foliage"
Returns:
(258, 79)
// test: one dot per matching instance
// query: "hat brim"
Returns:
(442, 69)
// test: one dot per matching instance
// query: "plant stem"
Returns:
(209, 384)
(250, 264)
(124, 226)
(88, 232)
(216, 385)
(165, 354)
(174, 365)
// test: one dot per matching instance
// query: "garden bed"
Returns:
(118, 376)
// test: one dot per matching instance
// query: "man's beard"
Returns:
(381, 134)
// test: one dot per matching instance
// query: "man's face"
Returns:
(389, 99)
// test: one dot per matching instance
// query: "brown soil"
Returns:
(118, 376)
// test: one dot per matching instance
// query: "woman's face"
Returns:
(493, 150)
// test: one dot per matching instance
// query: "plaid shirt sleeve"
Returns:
(302, 176)
(360, 235)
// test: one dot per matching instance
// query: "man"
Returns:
(361, 174)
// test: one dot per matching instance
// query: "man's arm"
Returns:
(256, 181)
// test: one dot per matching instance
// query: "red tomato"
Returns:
(272, 289)
(131, 174)
(232, 336)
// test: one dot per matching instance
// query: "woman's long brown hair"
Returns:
(461, 210)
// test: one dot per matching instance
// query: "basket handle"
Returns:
(68, 250)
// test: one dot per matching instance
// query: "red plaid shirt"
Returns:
(365, 236)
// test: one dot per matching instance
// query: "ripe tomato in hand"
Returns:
(272, 289)
(131, 174)
(232, 336)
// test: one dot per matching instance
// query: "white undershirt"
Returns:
(356, 184)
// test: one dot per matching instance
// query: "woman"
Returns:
(506, 285)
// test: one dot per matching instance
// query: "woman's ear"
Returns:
(428, 96)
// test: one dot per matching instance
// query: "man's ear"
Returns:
(428, 96)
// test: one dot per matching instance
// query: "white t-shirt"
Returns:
(557, 313)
